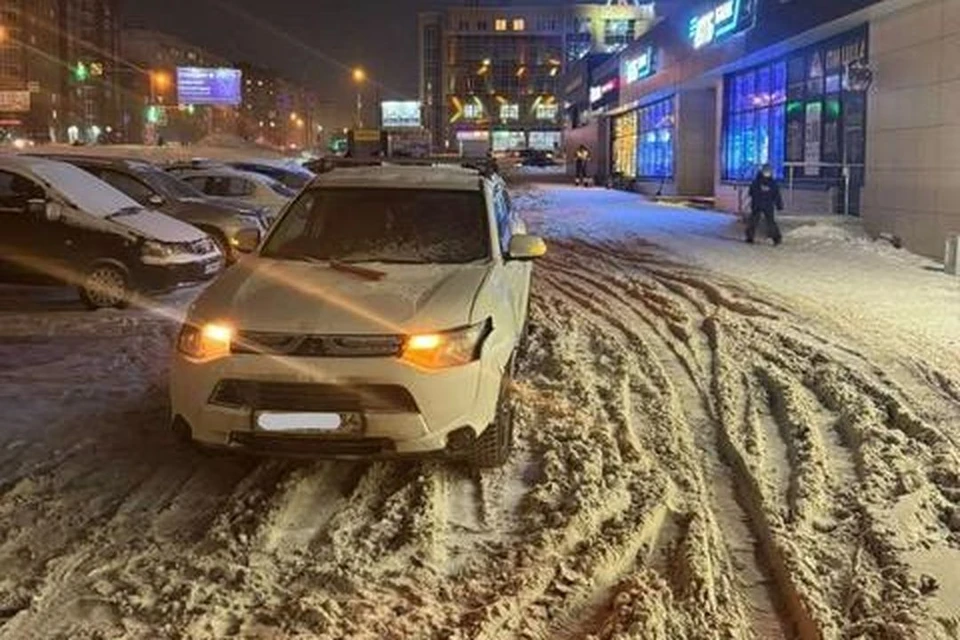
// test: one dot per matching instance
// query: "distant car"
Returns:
(60, 225)
(288, 172)
(252, 189)
(538, 158)
(381, 317)
(151, 186)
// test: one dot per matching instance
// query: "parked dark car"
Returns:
(61, 225)
(152, 187)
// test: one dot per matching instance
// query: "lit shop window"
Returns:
(519, 24)
(473, 111)
(655, 144)
(500, 24)
(546, 111)
(509, 112)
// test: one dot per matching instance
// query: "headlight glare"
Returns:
(446, 349)
(206, 342)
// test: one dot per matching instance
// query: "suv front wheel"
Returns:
(493, 447)
(105, 286)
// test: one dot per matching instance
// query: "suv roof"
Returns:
(446, 177)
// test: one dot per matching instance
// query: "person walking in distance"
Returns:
(583, 159)
(765, 199)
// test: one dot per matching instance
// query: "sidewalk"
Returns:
(826, 263)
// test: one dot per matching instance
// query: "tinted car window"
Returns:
(15, 191)
(384, 225)
(127, 184)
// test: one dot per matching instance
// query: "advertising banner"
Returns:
(208, 86)
(400, 114)
(15, 101)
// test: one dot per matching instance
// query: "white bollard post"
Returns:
(951, 256)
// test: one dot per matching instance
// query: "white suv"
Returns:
(381, 317)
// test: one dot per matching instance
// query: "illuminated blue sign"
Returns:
(726, 18)
(640, 67)
(196, 85)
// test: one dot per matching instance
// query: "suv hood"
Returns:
(299, 297)
(154, 225)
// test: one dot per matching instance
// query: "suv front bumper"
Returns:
(404, 411)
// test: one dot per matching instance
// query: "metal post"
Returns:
(790, 173)
(359, 109)
(846, 181)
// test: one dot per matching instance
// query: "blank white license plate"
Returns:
(303, 422)
(211, 267)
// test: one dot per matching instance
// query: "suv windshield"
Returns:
(384, 225)
(168, 185)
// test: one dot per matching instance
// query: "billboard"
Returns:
(208, 86)
(400, 114)
(18, 101)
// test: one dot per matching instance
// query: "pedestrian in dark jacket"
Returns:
(582, 160)
(765, 199)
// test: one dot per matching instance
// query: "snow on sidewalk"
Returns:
(832, 269)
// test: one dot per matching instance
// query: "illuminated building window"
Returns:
(473, 111)
(509, 112)
(655, 125)
(547, 111)
(500, 24)
(519, 24)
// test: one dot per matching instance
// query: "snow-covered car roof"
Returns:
(226, 172)
(453, 178)
(288, 164)
(88, 193)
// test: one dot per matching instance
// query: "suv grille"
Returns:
(330, 346)
(298, 396)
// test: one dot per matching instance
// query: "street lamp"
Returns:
(359, 77)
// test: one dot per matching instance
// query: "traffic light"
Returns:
(80, 72)
(153, 114)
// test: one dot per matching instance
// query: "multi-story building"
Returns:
(280, 113)
(854, 105)
(492, 73)
(151, 109)
(58, 69)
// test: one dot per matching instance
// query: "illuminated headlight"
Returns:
(158, 250)
(446, 349)
(206, 342)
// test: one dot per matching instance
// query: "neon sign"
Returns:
(598, 92)
(640, 67)
(726, 18)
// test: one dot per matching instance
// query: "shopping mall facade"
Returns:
(856, 105)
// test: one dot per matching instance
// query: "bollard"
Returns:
(951, 255)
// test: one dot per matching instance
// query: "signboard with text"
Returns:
(640, 66)
(208, 86)
(400, 114)
(723, 20)
(15, 101)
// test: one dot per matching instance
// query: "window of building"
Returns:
(795, 110)
(625, 145)
(619, 33)
(482, 25)
(500, 24)
(510, 111)
(547, 111)
(519, 24)
(545, 140)
(473, 110)
(655, 124)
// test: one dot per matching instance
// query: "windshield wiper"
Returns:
(126, 211)
(364, 272)
(336, 265)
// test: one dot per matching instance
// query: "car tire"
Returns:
(105, 286)
(492, 449)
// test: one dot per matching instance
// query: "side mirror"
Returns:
(53, 211)
(247, 240)
(526, 247)
(156, 200)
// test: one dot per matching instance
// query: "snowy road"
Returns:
(700, 456)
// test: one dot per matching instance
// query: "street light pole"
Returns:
(359, 75)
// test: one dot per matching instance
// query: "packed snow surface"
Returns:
(714, 441)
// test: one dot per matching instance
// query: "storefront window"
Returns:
(625, 145)
(655, 148)
(796, 110)
(545, 140)
(507, 140)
